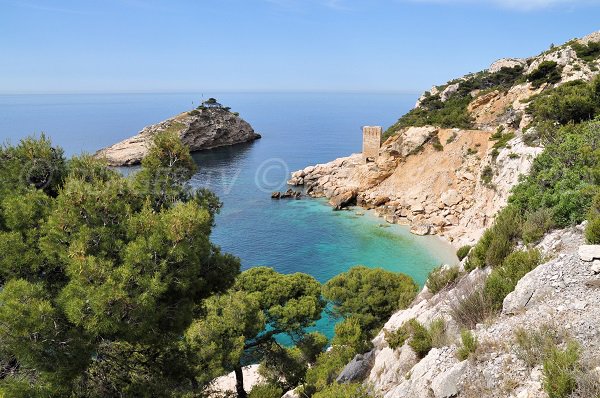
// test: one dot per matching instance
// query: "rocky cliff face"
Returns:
(199, 129)
(445, 181)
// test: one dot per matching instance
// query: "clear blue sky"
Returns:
(329, 45)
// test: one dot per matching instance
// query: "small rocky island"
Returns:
(209, 126)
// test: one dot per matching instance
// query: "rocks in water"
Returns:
(199, 129)
(289, 194)
(358, 369)
(343, 200)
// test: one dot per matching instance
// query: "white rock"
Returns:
(589, 252)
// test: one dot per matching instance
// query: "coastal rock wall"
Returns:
(428, 178)
(199, 129)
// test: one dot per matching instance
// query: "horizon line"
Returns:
(231, 91)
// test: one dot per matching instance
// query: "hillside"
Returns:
(448, 165)
(507, 159)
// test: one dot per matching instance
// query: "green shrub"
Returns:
(420, 338)
(592, 231)
(441, 277)
(497, 241)
(533, 346)
(371, 295)
(352, 390)
(503, 140)
(350, 333)
(397, 338)
(327, 368)
(560, 368)
(504, 279)
(546, 72)
(194, 112)
(536, 224)
(572, 102)
(565, 177)
(588, 52)
(469, 345)
(463, 252)
(486, 175)
(266, 391)
(420, 341)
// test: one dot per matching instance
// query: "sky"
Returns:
(70, 46)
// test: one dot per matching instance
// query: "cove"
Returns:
(299, 129)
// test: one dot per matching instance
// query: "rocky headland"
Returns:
(451, 181)
(200, 129)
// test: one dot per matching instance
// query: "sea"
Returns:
(298, 130)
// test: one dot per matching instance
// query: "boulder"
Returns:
(451, 197)
(589, 253)
(446, 384)
(343, 200)
(381, 200)
(357, 369)
(276, 195)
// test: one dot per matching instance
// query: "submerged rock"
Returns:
(198, 129)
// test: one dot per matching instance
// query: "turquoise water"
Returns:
(298, 130)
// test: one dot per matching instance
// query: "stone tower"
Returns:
(371, 143)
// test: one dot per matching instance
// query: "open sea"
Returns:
(298, 129)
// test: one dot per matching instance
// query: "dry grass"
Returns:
(475, 307)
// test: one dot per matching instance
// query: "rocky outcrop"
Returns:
(433, 191)
(199, 129)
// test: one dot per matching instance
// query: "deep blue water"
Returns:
(298, 130)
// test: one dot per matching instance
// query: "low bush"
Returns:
(565, 177)
(266, 391)
(463, 252)
(588, 52)
(469, 345)
(547, 72)
(397, 338)
(486, 175)
(437, 331)
(352, 390)
(503, 140)
(420, 340)
(504, 279)
(592, 231)
(536, 224)
(326, 369)
(572, 102)
(560, 370)
(441, 277)
(532, 346)
(472, 309)
(497, 241)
